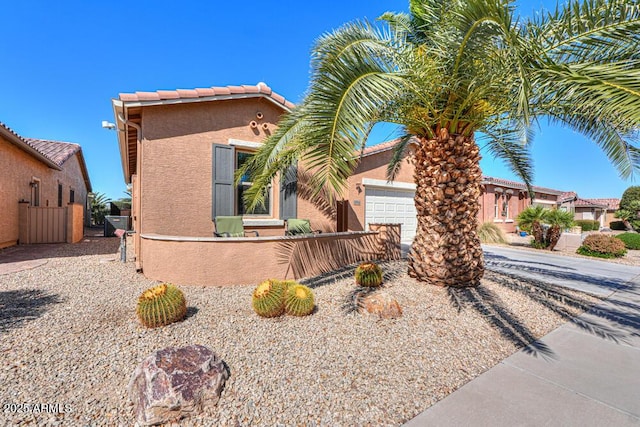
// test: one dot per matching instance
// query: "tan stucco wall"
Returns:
(176, 178)
(242, 261)
(17, 168)
(372, 167)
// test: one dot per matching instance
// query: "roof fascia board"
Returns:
(118, 108)
(128, 104)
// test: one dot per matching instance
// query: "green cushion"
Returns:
(298, 226)
(230, 224)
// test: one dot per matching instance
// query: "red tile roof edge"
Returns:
(609, 204)
(260, 89)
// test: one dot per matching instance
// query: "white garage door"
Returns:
(391, 206)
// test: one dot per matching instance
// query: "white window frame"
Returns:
(244, 148)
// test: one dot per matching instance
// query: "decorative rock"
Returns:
(380, 303)
(175, 383)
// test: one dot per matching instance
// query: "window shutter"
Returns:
(289, 193)
(222, 186)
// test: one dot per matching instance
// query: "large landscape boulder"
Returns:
(379, 303)
(175, 383)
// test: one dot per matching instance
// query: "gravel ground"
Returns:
(70, 337)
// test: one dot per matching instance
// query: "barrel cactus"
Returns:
(298, 300)
(268, 298)
(161, 305)
(369, 274)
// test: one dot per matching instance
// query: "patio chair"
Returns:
(230, 226)
(295, 226)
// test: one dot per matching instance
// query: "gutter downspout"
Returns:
(138, 232)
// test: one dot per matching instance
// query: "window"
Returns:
(59, 195)
(72, 196)
(35, 191)
(496, 207)
(241, 158)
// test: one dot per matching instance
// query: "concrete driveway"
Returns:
(593, 378)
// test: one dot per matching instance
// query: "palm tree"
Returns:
(558, 220)
(444, 72)
(98, 207)
(531, 219)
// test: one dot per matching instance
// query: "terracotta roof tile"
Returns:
(568, 195)
(187, 93)
(611, 204)
(378, 148)
(57, 151)
(221, 91)
(160, 95)
(168, 94)
(250, 89)
(148, 96)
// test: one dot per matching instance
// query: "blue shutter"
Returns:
(289, 193)
(222, 187)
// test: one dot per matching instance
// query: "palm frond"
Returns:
(398, 154)
(621, 149)
(510, 143)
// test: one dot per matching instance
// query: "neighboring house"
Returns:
(601, 210)
(40, 174)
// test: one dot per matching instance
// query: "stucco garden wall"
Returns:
(209, 261)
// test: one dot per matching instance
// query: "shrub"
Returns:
(539, 245)
(491, 233)
(161, 305)
(631, 240)
(602, 246)
(588, 224)
(617, 225)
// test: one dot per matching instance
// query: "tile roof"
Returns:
(568, 195)
(379, 148)
(582, 203)
(519, 185)
(57, 151)
(26, 146)
(260, 89)
(52, 153)
(610, 204)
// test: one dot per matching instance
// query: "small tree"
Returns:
(98, 207)
(628, 212)
(558, 220)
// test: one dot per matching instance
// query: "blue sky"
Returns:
(62, 62)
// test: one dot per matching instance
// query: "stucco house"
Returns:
(601, 210)
(180, 149)
(43, 190)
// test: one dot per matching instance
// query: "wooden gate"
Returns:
(46, 225)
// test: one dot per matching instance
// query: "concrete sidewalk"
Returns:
(592, 377)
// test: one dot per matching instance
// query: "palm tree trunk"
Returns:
(538, 232)
(553, 236)
(446, 250)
